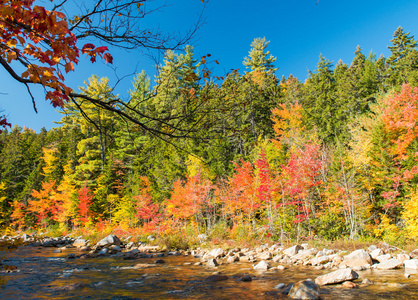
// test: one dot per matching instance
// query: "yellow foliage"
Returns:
(410, 215)
(386, 229)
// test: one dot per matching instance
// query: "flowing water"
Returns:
(42, 274)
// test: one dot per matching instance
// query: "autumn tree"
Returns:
(46, 42)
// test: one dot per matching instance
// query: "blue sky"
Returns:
(298, 31)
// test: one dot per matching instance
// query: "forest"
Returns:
(246, 156)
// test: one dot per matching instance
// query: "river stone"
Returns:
(411, 264)
(292, 250)
(216, 253)
(69, 287)
(215, 278)
(376, 252)
(115, 248)
(338, 276)
(403, 257)
(212, 263)
(367, 281)
(320, 260)
(349, 284)
(104, 251)
(305, 289)
(277, 257)
(357, 258)
(279, 286)
(414, 253)
(264, 256)
(383, 257)
(111, 239)
(80, 243)
(246, 278)
(304, 254)
(389, 264)
(262, 266)
(232, 259)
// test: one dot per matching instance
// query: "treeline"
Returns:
(241, 156)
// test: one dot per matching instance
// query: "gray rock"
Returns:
(279, 286)
(305, 289)
(411, 264)
(246, 278)
(357, 258)
(293, 250)
(109, 240)
(104, 251)
(338, 276)
(389, 264)
(262, 266)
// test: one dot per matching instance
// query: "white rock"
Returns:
(292, 250)
(338, 276)
(375, 253)
(411, 264)
(262, 265)
(357, 258)
(392, 263)
(383, 257)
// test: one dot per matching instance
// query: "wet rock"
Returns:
(115, 248)
(406, 275)
(246, 278)
(85, 249)
(104, 251)
(411, 264)
(71, 256)
(336, 277)
(69, 287)
(349, 284)
(215, 278)
(389, 264)
(357, 258)
(367, 281)
(279, 286)
(143, 266)
(58, 251)
(130, 245)
(159, 261)
(305, 289)
(262, 266)
(292, 250)
(362, 268)
(109, 240)
(212, 263)
(174, 253)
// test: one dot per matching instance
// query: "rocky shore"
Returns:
(345, 267)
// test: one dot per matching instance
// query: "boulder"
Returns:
(383, 257)
(232, 259)
(212, 263)
(338, 276)
(411, 264)
(357, 258)
(262, 266)
(246, 278)
(376, 252)
(293, 250)
(320, 260)
(304, 254)
(216, 253)
(414, 253)
(403, 257)
(264, 255)
(389, 264)
(305, 289)
(109, 240)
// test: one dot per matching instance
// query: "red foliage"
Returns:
(85, 200)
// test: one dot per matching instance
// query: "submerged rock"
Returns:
(306, 289)
(216, 277)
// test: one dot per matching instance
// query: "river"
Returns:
(42, 274)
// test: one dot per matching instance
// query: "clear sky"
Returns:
(298, 31)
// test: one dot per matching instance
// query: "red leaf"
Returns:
(101, 49)
(87, 47)
(108, 58)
